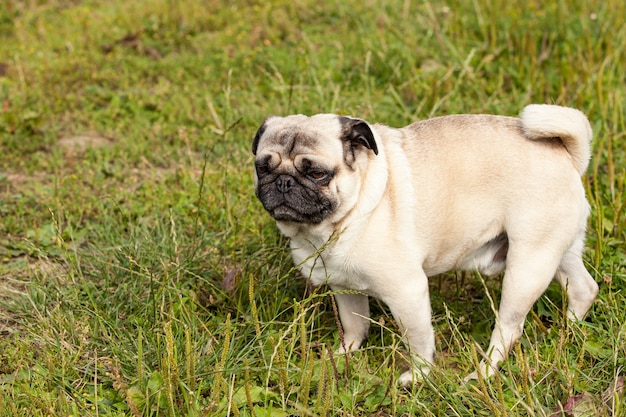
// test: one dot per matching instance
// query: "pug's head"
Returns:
(309, 169)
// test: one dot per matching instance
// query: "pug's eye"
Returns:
(262, 169)
(316, 174)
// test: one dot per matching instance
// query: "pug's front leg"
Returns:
(354, 313)
(410, 306)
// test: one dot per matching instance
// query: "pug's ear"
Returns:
(358, 132)
(259, 133)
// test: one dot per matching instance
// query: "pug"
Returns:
(372, 210)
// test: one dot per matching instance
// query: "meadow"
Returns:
(139, 275)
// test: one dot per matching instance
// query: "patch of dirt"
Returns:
(73, 147)
(133, 41)
(79, 144)
(15, 180)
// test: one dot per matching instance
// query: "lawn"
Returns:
(139, 275)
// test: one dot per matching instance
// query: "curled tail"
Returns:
(543, 121)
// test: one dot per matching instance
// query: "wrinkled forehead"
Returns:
(296, 135)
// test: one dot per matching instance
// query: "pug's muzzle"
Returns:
(288, 198)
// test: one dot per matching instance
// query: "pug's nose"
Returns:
(284, 183)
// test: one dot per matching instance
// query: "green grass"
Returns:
(140, 276)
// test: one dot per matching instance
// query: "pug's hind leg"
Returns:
(581, 288)
(354, 313)
(529, 272)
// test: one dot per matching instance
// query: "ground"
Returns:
(140, 276)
